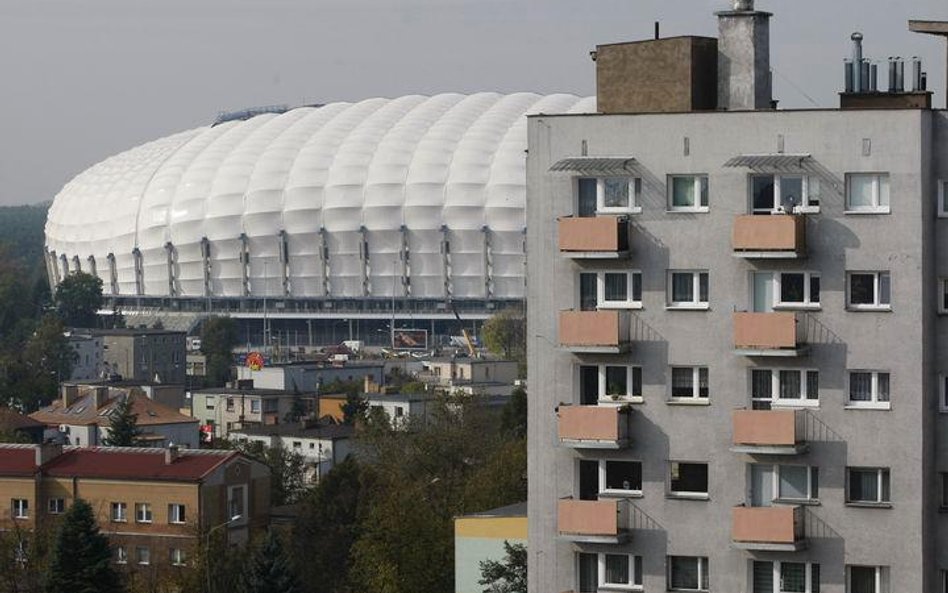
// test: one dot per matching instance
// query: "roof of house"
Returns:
(11, 420)
(322, 431)
(511, 510)
(83, 411)
(251, 391)
(116, 463)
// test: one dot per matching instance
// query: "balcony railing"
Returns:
(768, 334)
(777, 236)
(776, 528)
(605, 332)
(593, 521)
(599, 237)
(594, 427)
(769, 432)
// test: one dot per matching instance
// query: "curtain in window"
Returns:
(683, 382)
(863, 486)
(683, 192)
(617, 569)
(764, 577)
(587, 197)
(812, 385)
(860, 191)
(588, 573)
(617, 287)
(791, 192)
(616, 193)
(790, 387)
(792, 577)
(885, 289)
(862, 579)
(636, 381)
(761, 386)
(703, 389)
(684, 573)
(682, 287)
(860, 387)
(617, 381)
(587, 292)
(883, 386)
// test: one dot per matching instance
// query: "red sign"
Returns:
(254, 361)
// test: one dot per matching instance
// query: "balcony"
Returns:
(767, 334)
(596, 237)
(598, 332)
(594, 427)
(781, 236)
(769, 432)
(593, 521)
(769, 529)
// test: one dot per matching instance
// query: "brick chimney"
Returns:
(744, 81)
(47, 452)
(70, 393)
(100, 394)
(172, 453)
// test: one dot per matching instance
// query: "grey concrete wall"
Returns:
(744, 60)
(901, 438)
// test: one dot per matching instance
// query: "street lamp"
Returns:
(207, 546)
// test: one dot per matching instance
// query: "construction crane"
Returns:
(467, 336)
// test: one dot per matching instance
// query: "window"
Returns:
(237, 500)
(620, 571)
(609, 383)
(587, 572)
(687, 573)
(690, 384)
(689, 479)
(943, 296)
(142, 512)
(869, 389)
(784, 193)
(120, 555)
(230, 404)
(784, 387)
(143, 555)
(177, 557)
(942, 205)
(796, 290)
(57, 506)
(870, 290)
(786, 577)
(688, 290)
(943, 396)
(621, 195)
(399, 411)
(20, 508)
(867, 193)
(119, 512)
(798, 482)
(176, 513)
(867, 485)
(610, 290)
(620, 476)
(867, 579)
(209, 401)
(688, 193)
(944, 492)
(255, 406)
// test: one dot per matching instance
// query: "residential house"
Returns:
(321, 445)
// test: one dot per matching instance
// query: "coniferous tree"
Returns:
(81, 560)
(123, 426)
(270, 570)
(509, 576)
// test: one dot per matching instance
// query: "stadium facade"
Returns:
(385, 208)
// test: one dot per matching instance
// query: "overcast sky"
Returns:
(82, 80)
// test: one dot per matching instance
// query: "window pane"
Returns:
(588, 573)
(682, 287)
(944, 294)
(683, 192)
(862, 289)
(684, 572)
(763, 577)
(793, 481)
(637, 574)
(793, 577)
(885, 289)
(703, 389)
(761, 384)
(617, 569)
(814, 289)
(623, 475)
(883, 383)
(636, 381)
(616, 193)
(863, 486)
(763, 190)
(791, 192)
(860, 191)
(587, 197)
(862, 579)
(617, 381)
(587, 292)
(883, 190)
(812, 385)
(885, 497)
(860, 387)
(703, 182)
(791, 288)
(703, 287)
(790, 385)
(814, 482)
(637, 287)
(683, 382)
(617, 287)
(689, 477)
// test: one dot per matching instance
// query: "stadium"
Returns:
(316, 224)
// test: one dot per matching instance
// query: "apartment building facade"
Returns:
(152, 504)
(223, 409)
(737, 343)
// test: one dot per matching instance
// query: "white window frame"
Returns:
(695, 303)
(688, 493)
(630, 302)
(632, 492)
(876, 305)
(778, 574)
(702, 188)
(812, 479)
(630, 397)
(942, 205)
(776, 401)
(20, 508)
(874, 403)
(177, 514)
(255, 405)
(118, 512)
(143, 512)
(807, 303)
(635, 194)
(56, 506)
(703, 571)
(881, 191)
(635, 577)
(880, 472)
(882, 577)
(143, 559)
(942, 395)
(811, 187)
(121, 554)
(178, 557)
(695, 397)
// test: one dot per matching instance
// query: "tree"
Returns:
(513, 419)
(43, 361)
(508, 576)
(81, 560)
(123, 425)
(354, 409)
(78, 298)
(218, 338)
(270, 570)
(287, 470)
(505, 334)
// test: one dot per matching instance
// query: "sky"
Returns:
(83, 80)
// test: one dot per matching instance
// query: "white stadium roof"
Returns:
(345, 200)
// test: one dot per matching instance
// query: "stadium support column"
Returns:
(488, 264)
(171, 255)
(92, 267)
(139, 271)
(285, 266)
(76, 264)
(52, 268)
(446, 260)
(364, 260)
(113, 274)
(245, 265)
(324, 262)
(406, 263)
(206, 264)
(64, 264)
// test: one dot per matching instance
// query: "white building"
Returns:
(322, 446)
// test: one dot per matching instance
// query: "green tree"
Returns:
(287, 470)
(513, 419)
(270, 570)
(81, 560)
(123, 425)
(505, 334)
(508, 576)
(78, 298)
(354, 408)
(218, 339)
(43, 361)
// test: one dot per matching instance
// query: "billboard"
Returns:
(410, 339)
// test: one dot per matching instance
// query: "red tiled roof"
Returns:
(134, 464)
(12, 420)
(17, 461)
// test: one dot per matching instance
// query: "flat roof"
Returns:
(255, 391)
(743, 112)
(136, 331)
(929, 27)
(518, 509)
